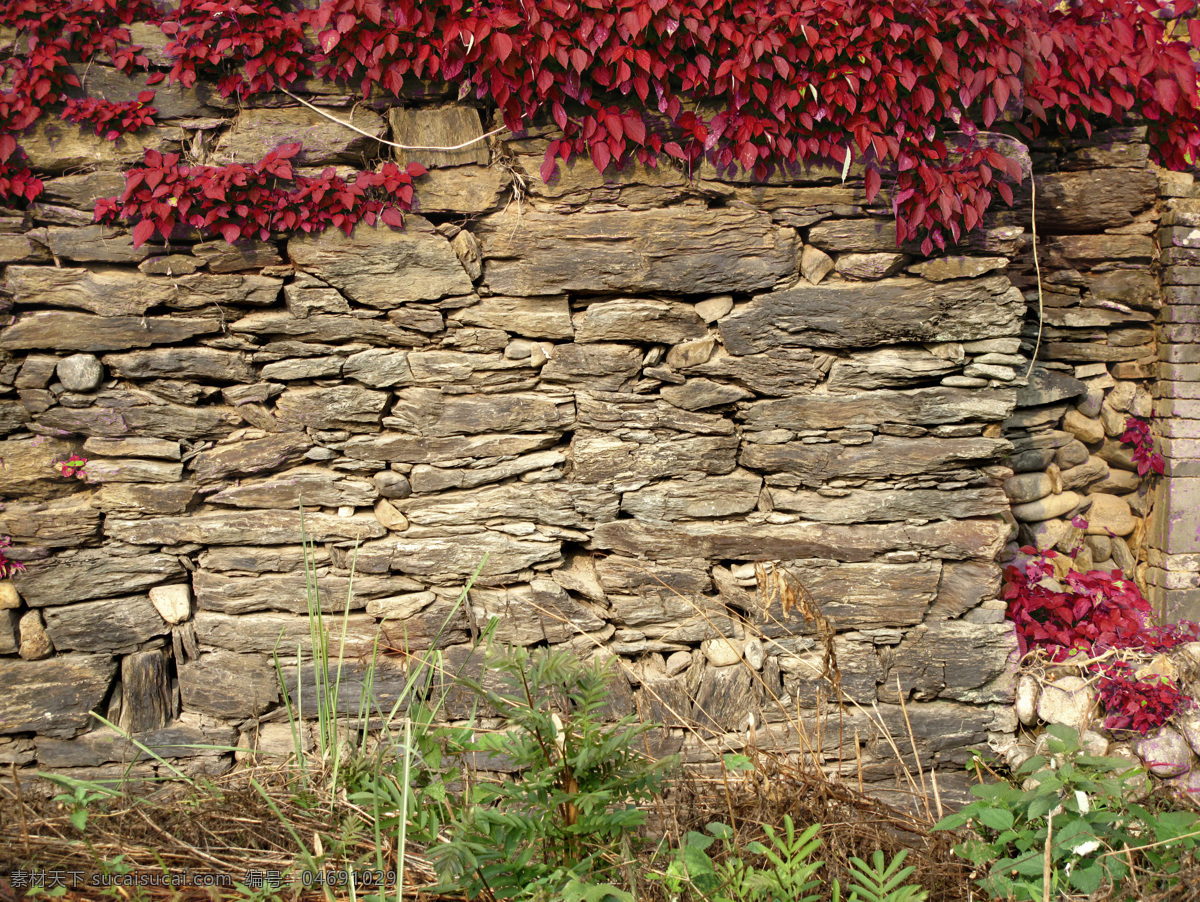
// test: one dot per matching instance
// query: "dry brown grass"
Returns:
(227, 826)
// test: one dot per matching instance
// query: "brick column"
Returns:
(1174, 547)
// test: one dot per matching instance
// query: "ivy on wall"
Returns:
(903, 87)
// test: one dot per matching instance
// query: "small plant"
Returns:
(574, 799)
(883, 882)
(79, 796)
(1137, 433)
(7, 567)
(793, 874)
(790, 872)
(377, 775)
(72, 466)
(1070, 817)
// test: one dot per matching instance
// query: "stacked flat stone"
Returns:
(1097, 358)
(624, 390)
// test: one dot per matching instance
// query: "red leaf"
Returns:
(635, 128)
(601, 156)
(989, 111)
(329, 39)
(549, 163)
(1167, 92)
(502, 44)
(391, 216)
(231, 232)
(873, 184)
(142, 232)
(935, 47)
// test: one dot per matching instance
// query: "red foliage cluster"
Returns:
(251, 47)
(1133, 704)
(1082, 612)
(15, 181)
(7, 567)
(901, 86)
(1088, 614)
(111, 119)
(55, 32)
(247, 202)
(1137, 433)
(72, 465)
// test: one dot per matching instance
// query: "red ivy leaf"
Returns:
(142, 232)
(1167, 92)
(873, 184)
(502, 44)
(601, 155)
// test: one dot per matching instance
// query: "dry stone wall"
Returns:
(1076, 488)
(626, 392)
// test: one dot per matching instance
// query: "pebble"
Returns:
(80, 372)
(678, 662)
(722, 652)
(1027, 487)
(173, 603)
(1071, 454)
(1047, 508)
(754, 654)
(1028, 691)
(1067, 700)
(35, 644)
(713, 309)
(1166, 753)
(1086, 429)
(1110, 516)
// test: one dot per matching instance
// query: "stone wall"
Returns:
(626, 392)
(1097, 219)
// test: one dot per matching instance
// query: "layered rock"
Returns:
(725, 445)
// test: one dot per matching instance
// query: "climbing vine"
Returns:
(111, 119)
(251, 202)
(902, 88)
(1145, 458)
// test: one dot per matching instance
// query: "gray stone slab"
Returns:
(53, 697)
(884, 457)
(381, 267)
(682, 249)
(852, 315)
(243, 528)
(112, 625)
(88, 573)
